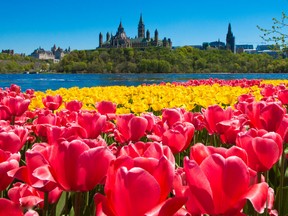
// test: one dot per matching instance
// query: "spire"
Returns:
(120, 25)
(141, 28)
(230, 39)
(120, 28)
(141, 20)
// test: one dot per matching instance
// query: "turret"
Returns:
(156, 36)
(100, 39)
(53, 49)
(148, 35)
(107, 36)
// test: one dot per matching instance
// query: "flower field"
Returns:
(203, 147)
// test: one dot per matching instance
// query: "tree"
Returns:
(277, 32)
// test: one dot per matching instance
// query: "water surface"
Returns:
(42, 82)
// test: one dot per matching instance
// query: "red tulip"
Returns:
(130, 128)
(29, 197)
(143, 173)
(263, 148)
(171, 116)
(25, 195)
(8, 161)
(52, 102)
(73, 106)
(9, 141)
(268, 91)
(179, 137)
(5, 113)
(77, 167)
(44, 121)
(93, 124)
(152, 120)
(221, 186)
(17, 105)
(283, 128)
(200, 152)
(132, 203)
(283, 96)
(229, 129)
(266, 116)
(37, 172)
(106, 107)
(215, 114)
(9, 208)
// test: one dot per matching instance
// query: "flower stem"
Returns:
(46, 204)
(282, 175)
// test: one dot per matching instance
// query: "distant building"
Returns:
(267, 47)
(56, 54)
(141, 41)
(230, 40)
(241, 47)
(271, 50)
(8, 51)
(217, 44)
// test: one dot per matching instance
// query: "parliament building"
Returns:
(121, 40)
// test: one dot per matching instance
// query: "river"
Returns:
(42, 82)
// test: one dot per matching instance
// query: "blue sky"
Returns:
(26, 25)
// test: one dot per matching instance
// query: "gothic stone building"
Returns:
(142, 41)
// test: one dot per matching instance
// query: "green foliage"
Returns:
(19, 63)
(162, 60)
(277, 31)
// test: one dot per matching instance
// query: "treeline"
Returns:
(19, 63)
(150, 60)
(163, 60)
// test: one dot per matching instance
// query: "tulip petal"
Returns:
(9, 208)
(258, 196)
(199, 186)
(136, 193)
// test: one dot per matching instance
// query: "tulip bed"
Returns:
(203, 147)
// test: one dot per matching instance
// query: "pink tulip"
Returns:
(9, 208)
(25, 196)
(215, 114)
(179, 137)
(17, 105)
(152, 120)
(283, 128)
(171, 116)
(283, 96)
(52, 102)
(229, 129)
(106, 107)
(77, 167)
(264, 115)
(73, 106)
(130, 128)
(37, 172)
(200, 152)
(263, 148)
(5, 113)
(9, 141)
(93, 124)
(221, 186)
(44, 121)
(268, 91)
(133, 204)
(8, 161)
(143, 173)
